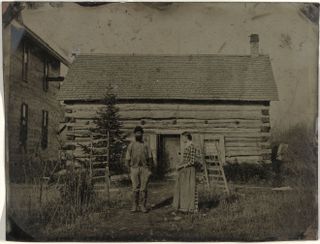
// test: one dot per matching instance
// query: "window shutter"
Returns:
(45, 75)
(25, 61)
(44, 129)
(24, 124)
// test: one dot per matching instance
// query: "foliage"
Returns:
(108, 129)
(249, 173)
(250, 215)
(77, 189)
(301, 166)
(298, 168)
(76, 196)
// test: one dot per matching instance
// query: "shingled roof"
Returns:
(203, 77)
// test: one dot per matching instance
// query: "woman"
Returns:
(185, 194)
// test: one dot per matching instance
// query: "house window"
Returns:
(25, 60)
(44, 130)
(45, 75)
(24, 125)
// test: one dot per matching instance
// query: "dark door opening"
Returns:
(168, 154)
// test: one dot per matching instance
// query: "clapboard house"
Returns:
(31, 80)
(223, 98)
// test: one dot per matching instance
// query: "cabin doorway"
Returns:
(168, 154)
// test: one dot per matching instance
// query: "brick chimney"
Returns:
(254, 45)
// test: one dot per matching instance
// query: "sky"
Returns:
(286, 35)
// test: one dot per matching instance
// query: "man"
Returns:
(185, 194)
(138, 160)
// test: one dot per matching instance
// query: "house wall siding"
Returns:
(31, 93)
(245, 127)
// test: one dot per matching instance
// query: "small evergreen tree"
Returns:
(108, 128)
(108, 123)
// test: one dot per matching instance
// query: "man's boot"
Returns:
(144, 202)
(135, 201)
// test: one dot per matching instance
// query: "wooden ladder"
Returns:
(213, 169)
(99, 170)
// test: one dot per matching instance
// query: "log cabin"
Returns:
(33, 114)
(222, 98)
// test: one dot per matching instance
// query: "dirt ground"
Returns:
(250, 214)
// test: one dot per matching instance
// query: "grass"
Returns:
(248, 215)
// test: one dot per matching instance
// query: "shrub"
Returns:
(300, 168)
(249, 173)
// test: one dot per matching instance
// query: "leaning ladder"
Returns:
(99, 170)
(213, 169)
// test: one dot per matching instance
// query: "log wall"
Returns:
(245, 127)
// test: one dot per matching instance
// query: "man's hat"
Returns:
(138, 128)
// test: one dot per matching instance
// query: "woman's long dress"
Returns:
(185, 193)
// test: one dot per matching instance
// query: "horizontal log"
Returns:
(265, 146)
(239, 139)
(265, 111)
(247, 153)
(265, 119)
(84, 121)
(102, 164)
(260, 145)
(254, 136)
(230, 136)
(99, 177)
(175, 115)
(68, 118)
(157, 106)
(242, 144)
(80, 129)
(235, 133)
(236, 149)
(265, 128)
(163, 124)
(80, 154)
(267, 161)
(266, 155)
(231, 149)
(83, 124)
(80, 123)
(226, 131)
(96, 151)
(86, 133)
(78, 134)
(99, 169)
(199, 127)
(244, 159)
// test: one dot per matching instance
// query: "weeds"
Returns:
(70, 210)
(301, 166)
(257, 174)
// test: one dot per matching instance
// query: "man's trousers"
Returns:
(139, 178)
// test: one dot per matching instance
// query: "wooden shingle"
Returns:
(202, 77)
